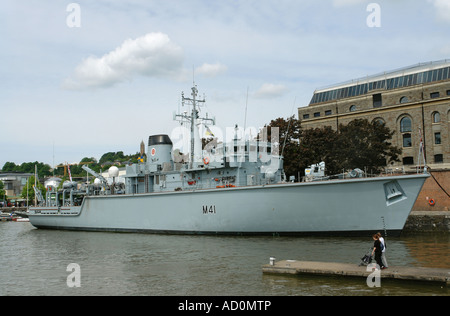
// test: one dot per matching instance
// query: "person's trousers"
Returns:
(383, 259)
(378, 259)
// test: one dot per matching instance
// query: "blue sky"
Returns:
(71, 92)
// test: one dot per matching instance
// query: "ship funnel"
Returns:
(159, 154)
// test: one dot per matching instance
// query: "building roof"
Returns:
(398, 78)
(5, 176)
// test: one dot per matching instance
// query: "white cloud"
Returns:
(270, 90)
(442, 9)
(211, 70)
(152, 55)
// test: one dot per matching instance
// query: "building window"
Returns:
(408, 160)
(305, 116)
(434, 95)
(436, 117)
(405, 125)
(379, 121)
(407, 140)
(353, 108)
(448, 92)
(377, 100)
(328, 112)
(437, 138)
(317, 114)
(438, 158)
(404, 100)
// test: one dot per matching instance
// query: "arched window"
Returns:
(404, 100)
(436, 117)
(405, 125)
(379, 121)
(353, 108)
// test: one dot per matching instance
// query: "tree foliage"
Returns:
(360, 144)
(43, 170)
(289, 137)
(29, 187)
(111, 157)
(366, 145)
(2, 191)
(317, 145)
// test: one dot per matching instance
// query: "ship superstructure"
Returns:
(237, 163)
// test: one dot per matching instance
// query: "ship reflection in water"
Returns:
(431, 250)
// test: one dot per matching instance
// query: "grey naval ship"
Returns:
(237, 187)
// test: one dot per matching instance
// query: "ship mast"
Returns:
(195, 120)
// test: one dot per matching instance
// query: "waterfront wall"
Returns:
(432, 191)
(427, 222)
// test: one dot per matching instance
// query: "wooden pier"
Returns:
(353, 270)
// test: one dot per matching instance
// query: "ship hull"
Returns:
(340, 207)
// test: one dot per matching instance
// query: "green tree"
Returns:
(9, 167)
(365, 144)
(2, 191)
(43, 170)
(360, 144)
(317, 145)
(87, 159)
(289, 136)
(29, 185)
(107, 157)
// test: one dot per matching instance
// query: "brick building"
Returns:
(410, 101)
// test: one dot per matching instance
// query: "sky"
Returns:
(79, 79)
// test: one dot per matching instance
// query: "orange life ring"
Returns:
(432, 202)
(206, 161)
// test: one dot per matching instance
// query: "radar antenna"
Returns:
(194, 119)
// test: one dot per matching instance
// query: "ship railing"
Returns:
(349, 175)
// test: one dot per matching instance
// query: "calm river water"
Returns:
(34, 262)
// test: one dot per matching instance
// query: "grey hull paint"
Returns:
(341, 207)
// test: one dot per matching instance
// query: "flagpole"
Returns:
(35, 183)
(421, 154)
(70, 174)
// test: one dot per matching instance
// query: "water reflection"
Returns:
(35, 263)
(428, 250)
